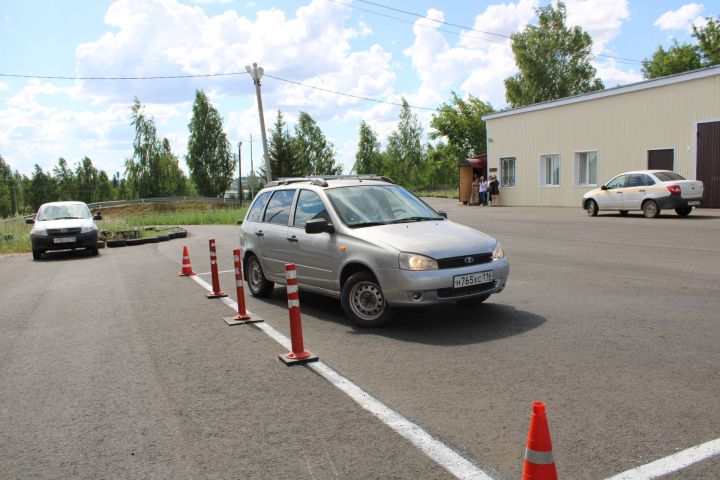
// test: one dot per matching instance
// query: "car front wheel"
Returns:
(650, 209)
(257, 283)
(363, 301)
(37, 254)
(684, 211)
(591, 208)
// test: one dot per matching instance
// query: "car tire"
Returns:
(473, 300)
(94, 251)
(37, 254)
(116, 243)
(591, 207)
(258, 285)
(683, 211)
(624, 213)
(101, 244)
(181, 234)
(131, 242)
(363, 301)
(650, 209)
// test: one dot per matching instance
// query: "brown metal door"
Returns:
(708, 162)
(661, 159)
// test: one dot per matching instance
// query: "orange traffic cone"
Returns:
(186, 268)
(539, 461)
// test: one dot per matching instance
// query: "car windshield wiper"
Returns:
(416, 219)
(68, 218)
(367, 224)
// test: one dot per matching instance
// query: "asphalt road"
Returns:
(114, 367)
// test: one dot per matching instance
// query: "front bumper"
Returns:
(406, 288)
(81, 240)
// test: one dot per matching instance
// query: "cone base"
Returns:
(290, 360)
(216, 295)
(183, 274)
(241, 321)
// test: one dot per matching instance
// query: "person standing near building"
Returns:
(494, 189)
(483, 188)
(475, 194)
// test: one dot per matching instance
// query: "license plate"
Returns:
(693, 203)
(64, 240)
(471, 279)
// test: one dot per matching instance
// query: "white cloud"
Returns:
(602, 19)
(4, 87)
(612, 74)
(680, 19)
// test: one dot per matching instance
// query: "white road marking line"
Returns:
(221, 271)
(672, 463)
(435, 449)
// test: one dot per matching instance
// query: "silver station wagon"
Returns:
(368, 242)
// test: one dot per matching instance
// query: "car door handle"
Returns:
(259, 233)
(292, 239)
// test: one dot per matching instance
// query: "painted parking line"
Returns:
(673, 463)
(221, 271)
(433, 448)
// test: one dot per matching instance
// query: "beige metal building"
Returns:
(551, 153)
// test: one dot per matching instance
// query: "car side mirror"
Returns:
(29, 221)
(443, 214)
(319, 225)
(97, 216)
(604, 187)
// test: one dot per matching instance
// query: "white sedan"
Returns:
(647, 190)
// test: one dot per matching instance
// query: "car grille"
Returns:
(455, 262)
(460, 292)
(63, 231)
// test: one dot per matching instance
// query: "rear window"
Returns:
(668, 176)
(256, 210)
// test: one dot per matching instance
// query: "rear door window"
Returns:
(278, 209)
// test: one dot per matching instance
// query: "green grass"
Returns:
(15, 234)
(447, 193)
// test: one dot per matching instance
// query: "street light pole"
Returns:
(240, 195)
(256, 73)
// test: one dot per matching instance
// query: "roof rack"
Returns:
(321, 180)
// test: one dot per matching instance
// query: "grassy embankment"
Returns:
(15, 234)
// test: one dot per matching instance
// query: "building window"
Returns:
(507, 172)
(585, 168)
(550, 170)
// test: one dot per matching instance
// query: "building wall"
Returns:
(621, 128)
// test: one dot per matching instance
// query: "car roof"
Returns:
(635, 172)
(63, 203)
(332, 181)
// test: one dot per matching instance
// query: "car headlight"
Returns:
(40, 232)
(413, 261)
(498, 252)
(87, 228)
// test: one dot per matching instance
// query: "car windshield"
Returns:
(668, 176)
(368, 205)
(63, 211)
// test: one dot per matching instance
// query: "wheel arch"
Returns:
(351, 269)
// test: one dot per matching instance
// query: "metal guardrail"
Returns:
(136, 201)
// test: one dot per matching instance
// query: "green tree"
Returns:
(104, 187)
(209, 157)
(440, 171)
(708, 38)
(86, 181)
(405, 153)
(676, 59)
(174, 178)
(314, 153)
(460, 122)
(368, 158)
(42, 188)
(554, 61)
(7, 190)
(153, 170)
(281, 152)
(65, 179)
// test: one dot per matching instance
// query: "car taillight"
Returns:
(674, 189)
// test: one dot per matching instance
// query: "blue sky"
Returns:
(351, 46)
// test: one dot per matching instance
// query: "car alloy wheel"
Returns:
(258, 285)
(650, 209)
(591, 208)
(363, 301)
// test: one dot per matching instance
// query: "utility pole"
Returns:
(240, 192)
(252, 171)
(256, 73)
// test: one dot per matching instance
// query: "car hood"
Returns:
(436, 239)
(67, 223)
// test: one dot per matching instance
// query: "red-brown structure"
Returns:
(298, 353)
(216, 293)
